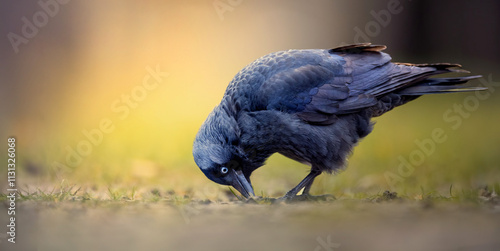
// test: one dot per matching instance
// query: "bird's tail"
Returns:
(406, 90)
(441, 85)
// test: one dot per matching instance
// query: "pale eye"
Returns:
(224, 170)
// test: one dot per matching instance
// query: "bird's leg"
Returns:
(308, 186)
(306, 183)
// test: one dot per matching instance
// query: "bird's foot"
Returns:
(290, 198)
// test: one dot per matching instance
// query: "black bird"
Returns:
(312, 106)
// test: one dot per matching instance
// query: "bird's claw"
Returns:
(290, 198)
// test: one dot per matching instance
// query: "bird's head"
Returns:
(216, 152)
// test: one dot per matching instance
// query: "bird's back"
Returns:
(320, 85)
(263, 81)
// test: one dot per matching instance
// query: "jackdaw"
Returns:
(312, 106)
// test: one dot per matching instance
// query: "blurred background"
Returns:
(111, 93)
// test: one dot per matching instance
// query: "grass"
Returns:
(72, 193)
(64, 193)
(69, 216)
(137, 215)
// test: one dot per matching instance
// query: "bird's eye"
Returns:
(224, 170)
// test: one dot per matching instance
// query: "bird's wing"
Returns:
(348, 79)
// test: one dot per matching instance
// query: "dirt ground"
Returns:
(203, 225)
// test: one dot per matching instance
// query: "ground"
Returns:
(69, 219)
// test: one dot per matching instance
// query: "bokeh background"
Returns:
(76, 65)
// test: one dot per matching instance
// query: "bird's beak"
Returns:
(241, 183)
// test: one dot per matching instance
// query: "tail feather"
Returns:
(437, 66)
(455, 81)
(405, 75)
(358, 48)
(441, 85)
(422, 90)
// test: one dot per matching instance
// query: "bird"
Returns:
(312, 106)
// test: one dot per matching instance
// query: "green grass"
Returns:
(67, 216)
(72, 193)
(54, 195)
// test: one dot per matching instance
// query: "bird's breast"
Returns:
(326, 147)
